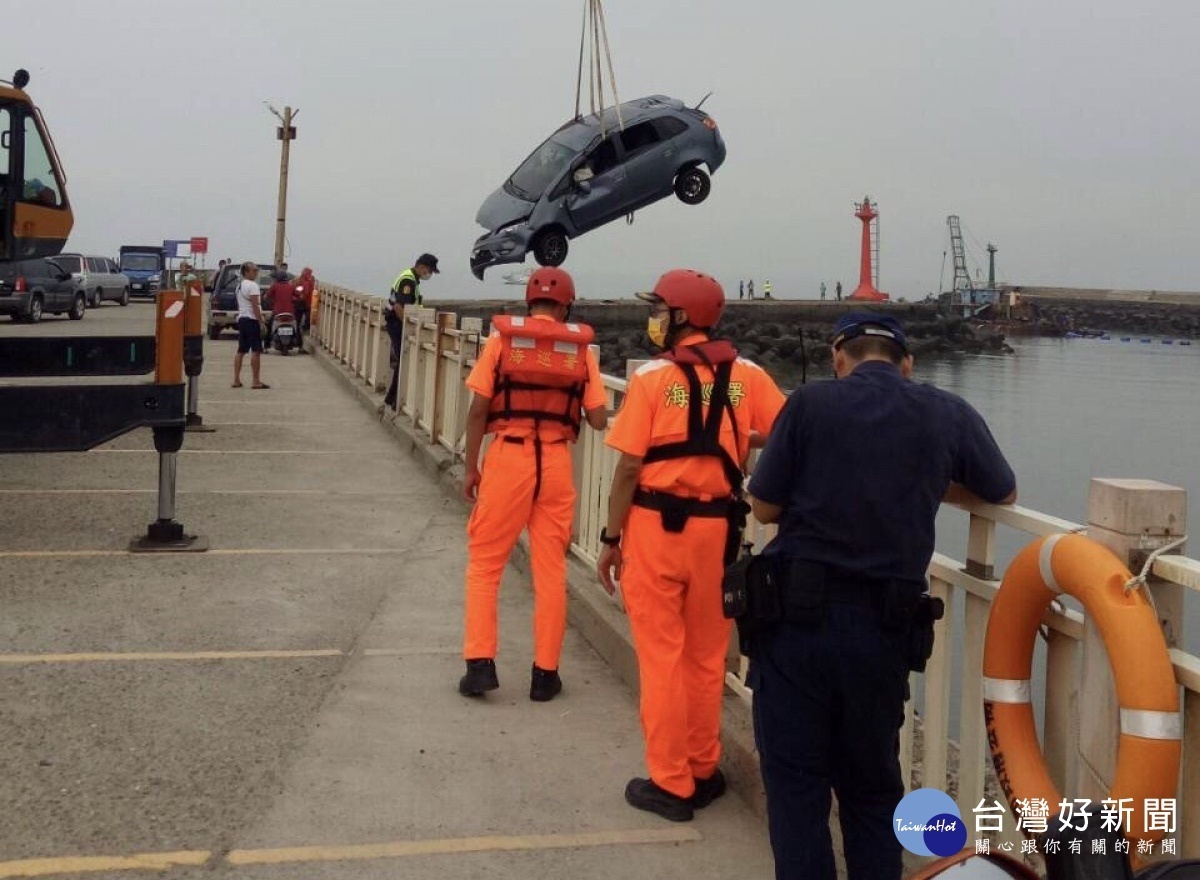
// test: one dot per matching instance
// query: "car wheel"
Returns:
(550, 248)
(692, 185)
(98, 298)
(214, 331)
(124, 300)
(77, 308)
(35, 310)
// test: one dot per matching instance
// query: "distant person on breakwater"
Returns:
(830, 670)
(741, 290)
(822, 291)
(767, 289)
(750, 288)
(838, 290)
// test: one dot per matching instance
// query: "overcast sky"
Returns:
(1066, 133)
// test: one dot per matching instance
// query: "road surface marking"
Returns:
(245, 551)
(455, 845)
(160, 656)
(95, 864)
(361, 852)
(410, 652)
(227, 451)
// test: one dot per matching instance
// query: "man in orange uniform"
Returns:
(535, 380)
(674, 521)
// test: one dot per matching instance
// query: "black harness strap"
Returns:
(704, 435)
(703, 439)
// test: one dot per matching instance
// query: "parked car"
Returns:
(586, 175)
(222, 304)
(97, 278)
(30, 288)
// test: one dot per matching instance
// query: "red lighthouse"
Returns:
(866, 290)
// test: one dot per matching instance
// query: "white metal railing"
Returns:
(438, 355)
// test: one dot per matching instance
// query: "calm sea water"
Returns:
(1067, 410)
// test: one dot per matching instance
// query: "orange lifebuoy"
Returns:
(1148, 754)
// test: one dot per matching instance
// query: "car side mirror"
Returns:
(583, 186)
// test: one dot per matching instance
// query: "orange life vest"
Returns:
(540, 374)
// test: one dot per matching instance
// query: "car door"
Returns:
(650, 160)
(600, 198)
(60, 294)
(96, 272)
(116, 283)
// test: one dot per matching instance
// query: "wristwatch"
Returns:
(610, 540)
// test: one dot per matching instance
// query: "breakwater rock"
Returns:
(786, 338)
(1058, 317)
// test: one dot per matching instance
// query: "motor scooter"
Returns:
(285, 334)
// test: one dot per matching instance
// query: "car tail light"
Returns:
(710, 123)
(19, 287)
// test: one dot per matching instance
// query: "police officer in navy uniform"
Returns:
(853, 473)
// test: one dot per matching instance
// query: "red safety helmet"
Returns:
(696, 293)
(550, 283)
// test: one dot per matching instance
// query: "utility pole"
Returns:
(285, 133)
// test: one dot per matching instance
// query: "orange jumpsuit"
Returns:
(506, 506)
(672, 581)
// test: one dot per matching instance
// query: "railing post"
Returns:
(445, 321)
(1132, 518)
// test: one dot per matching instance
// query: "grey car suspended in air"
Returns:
(587, 174)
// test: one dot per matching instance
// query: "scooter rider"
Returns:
(280, 299)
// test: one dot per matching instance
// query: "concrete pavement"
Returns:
(285, 705)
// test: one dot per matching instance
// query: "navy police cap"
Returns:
(857, 324)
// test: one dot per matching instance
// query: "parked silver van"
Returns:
(97, 278)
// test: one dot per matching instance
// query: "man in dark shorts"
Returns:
(249, 324)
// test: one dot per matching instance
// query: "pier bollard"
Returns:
(193, 356)
(165, 535)
(1132, 518)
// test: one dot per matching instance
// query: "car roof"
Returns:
(631, 112)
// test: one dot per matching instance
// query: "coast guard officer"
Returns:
(853, 473)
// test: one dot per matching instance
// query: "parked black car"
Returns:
(31, 288)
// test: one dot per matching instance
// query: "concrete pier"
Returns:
(285, 704)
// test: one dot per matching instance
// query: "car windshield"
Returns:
(542, 170)
(139, 262)
(233, 277)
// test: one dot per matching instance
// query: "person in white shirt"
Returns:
(249, 324)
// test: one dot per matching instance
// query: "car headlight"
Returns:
(511, 227)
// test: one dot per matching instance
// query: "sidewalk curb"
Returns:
(601, 623)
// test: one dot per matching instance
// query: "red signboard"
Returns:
(199, 245)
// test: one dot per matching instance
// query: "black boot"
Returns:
(645, 795)
(544, 684)
(708, 790)
(480, 677)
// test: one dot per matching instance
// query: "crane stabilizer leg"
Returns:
(165, 535)
(193, 358)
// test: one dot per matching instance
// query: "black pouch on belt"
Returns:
(803, 592)
(735, 590)
(928, 609)
(674, 512)
(750, 593)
